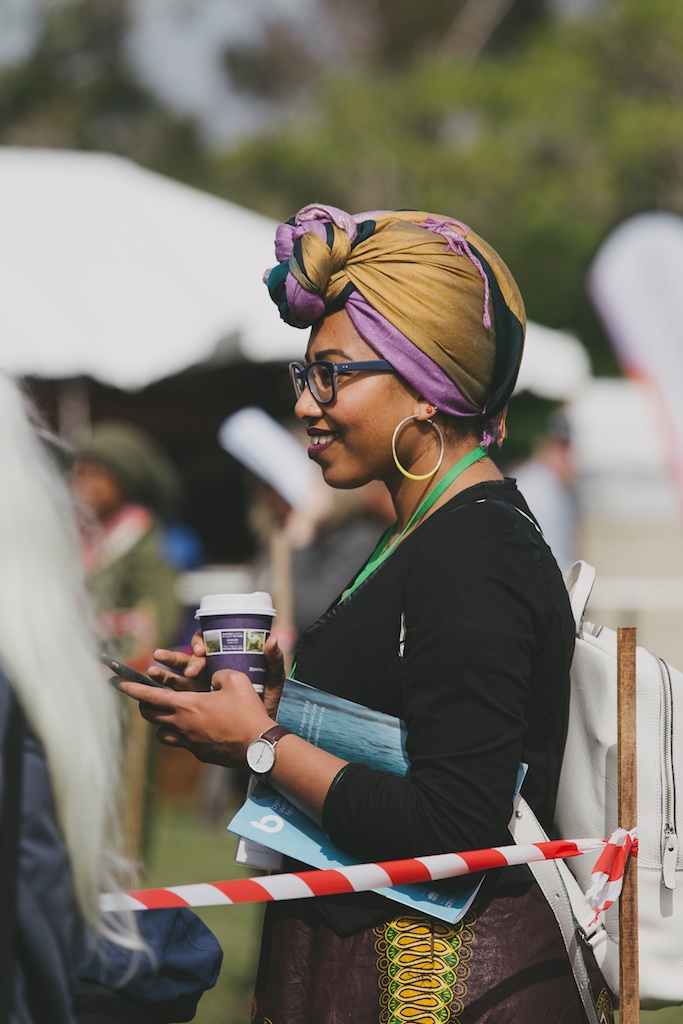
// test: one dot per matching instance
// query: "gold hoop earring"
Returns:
(415, 476)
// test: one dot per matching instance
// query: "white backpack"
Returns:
(587, 802)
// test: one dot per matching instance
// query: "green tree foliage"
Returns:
(543, 149)
(384, 34)
(76, 91)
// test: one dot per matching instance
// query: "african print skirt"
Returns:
(503, 963)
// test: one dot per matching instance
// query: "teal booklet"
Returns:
(341, 727)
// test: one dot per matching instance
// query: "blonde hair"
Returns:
(48, 651)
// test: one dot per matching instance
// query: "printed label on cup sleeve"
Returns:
(235, 641)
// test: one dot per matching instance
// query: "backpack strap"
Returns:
(9, 851)
(574, 915)
(579, 583)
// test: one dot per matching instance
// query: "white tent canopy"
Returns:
(124, 275)
(555, 364)
(117, 273)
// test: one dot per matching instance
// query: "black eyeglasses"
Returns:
(321, 376)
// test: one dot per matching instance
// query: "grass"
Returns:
(184, 847)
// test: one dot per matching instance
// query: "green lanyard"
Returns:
(379, 555)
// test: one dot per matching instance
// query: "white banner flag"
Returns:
(636, 283)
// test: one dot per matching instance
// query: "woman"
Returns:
(459, 624)
(59, 841)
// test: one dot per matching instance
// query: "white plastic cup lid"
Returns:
(258, 603)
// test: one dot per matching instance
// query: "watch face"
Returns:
(260, 756)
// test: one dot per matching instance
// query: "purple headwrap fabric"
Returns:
(407, 359)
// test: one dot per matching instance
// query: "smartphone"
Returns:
(126, 672)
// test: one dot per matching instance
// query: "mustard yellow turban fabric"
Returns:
(424, 291)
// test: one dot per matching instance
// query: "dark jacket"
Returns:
(50, 934)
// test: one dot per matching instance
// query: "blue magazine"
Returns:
(341, 727)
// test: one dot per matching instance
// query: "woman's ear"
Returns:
(424, 410)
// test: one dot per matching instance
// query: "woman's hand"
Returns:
(189, 672)
(216, 726)
(275, 675)
(182, 671)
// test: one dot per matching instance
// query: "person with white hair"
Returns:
(59, 729)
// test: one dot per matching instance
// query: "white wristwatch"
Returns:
(261, 751)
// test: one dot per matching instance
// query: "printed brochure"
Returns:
(341, 727)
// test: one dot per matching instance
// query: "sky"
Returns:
(175, 46)
(19, 24)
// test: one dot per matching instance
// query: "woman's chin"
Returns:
(342, 479)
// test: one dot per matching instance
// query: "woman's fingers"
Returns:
(170, 679)
(275, 675)
(216, 726)
(160, 712)
(178, 682)
(170, 738)
(177, 660)
(197, 644)
(180, 670)
(158, 701)
(275, 662)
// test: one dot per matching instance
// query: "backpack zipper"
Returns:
(669, 832)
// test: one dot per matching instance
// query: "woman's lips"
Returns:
(320, 443)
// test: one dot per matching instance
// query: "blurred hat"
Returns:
(269, 450)
(136, 458)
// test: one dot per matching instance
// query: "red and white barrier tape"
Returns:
(608, 872)
(361, 877)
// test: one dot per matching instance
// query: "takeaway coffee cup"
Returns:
(235, 628)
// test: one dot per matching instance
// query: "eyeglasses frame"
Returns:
(299, 372)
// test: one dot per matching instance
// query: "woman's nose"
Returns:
(306, 406)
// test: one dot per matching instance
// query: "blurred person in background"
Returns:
(330, 539)
(547, 479)
(60, 840)
(124, 479)
(327, 536)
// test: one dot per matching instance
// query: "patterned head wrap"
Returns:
(425, 292)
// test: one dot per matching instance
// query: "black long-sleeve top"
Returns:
(466, 633)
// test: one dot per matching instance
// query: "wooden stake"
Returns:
(629, 992)
(135, 782)
(136, 772)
